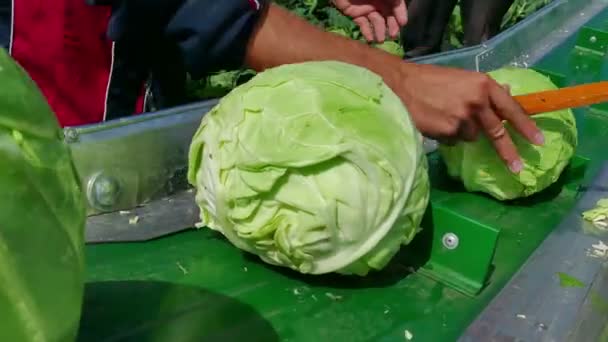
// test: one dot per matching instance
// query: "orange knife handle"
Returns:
(565, 98)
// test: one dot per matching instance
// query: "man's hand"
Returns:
(374, 17)
(451, 105)
(445, 103)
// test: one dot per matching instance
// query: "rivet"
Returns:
(450, 241)
(103, 191)
(70, 135)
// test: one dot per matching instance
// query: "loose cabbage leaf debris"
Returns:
(42, 217)
(392, 48)
(314, 166)
(480, 168)
(598, 216)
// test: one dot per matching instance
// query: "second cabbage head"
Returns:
(480, 168)
(313, 166)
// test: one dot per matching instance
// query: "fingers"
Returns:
(355, 11)
(375, 21)
(499, 137)
(366, 28)
(400, 12)
(508, 109)
(474, 104)
(393, 27)
(379, 26)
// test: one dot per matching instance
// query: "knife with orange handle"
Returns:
(564, 98)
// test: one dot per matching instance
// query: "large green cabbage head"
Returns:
(314, 166)
(480, 168)
(42, 217)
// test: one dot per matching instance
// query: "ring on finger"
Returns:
(497, 132)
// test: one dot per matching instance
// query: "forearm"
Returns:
(283, 38)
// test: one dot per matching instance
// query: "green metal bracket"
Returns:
(592, 40)
(560, 80)
(584, 66)
(587, 57)
(600, 109)
(461, 250)
(555, 77)
(574, 174)
(458, 250)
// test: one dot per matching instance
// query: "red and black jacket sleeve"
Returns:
(88, 78)
(208, 34)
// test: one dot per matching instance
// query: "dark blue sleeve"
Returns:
(209, 34)
(213, 34)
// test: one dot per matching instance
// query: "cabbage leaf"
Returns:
(42, 218)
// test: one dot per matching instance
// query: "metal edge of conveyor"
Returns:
(138, 193)
(126, 163)
(134, 164)
(147, 222)
(536, 305)
(543, 31)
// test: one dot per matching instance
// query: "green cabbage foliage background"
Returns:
(42, 217)
(480, 168)
(313, 166)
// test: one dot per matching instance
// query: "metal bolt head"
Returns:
(593, 39)
(103, 191)
(70, 135)
(450, 241)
